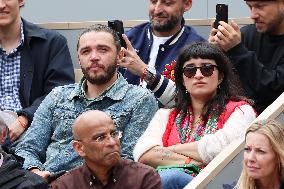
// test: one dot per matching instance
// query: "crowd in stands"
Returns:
(107, 131)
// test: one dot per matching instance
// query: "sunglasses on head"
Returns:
(206, 70)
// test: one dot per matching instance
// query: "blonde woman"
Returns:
(263, 156)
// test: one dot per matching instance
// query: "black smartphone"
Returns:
(221, 14)
(117, 25)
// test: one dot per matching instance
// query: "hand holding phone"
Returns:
(117, 25)
(221, 14)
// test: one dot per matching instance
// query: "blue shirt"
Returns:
(10, 76)
(47, 144)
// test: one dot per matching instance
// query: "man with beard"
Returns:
(157, 44)
(47, 144)
(97, 142)
(257, 50)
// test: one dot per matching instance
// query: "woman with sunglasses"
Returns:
(209, 113)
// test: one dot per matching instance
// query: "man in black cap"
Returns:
(257, 50)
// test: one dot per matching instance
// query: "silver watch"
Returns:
(150, 75)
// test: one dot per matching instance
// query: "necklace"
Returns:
(189, 131)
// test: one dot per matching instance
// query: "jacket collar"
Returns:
(116, 91)
(173, 39)
(32, 31)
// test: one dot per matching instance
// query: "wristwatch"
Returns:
(150, 75)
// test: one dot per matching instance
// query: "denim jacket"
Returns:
(47, 144)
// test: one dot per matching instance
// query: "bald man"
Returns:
(96, 140)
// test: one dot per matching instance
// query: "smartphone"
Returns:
(117, 25)
(221, 14)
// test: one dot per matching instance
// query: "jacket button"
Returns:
(162, 49)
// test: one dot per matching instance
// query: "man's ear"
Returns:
(79, 148)
(187, 5)
(120, 54)
(21, 3)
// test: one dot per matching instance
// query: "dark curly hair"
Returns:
(229, 89)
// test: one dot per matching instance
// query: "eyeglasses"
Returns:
(103, 138)
(206, 70)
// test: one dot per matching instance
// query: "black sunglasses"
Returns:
(206, 70)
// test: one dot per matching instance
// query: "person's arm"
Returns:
(59, 71)
(33, 145)
(211, 145)
(159, 155)
(163, 88)
(43, 174)
(141, 115)
(149, 148)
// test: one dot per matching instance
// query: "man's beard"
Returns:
(274, 25)
(101, 79)
(168, 26)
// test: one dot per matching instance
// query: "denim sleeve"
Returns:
(34, 143)
(142, 114)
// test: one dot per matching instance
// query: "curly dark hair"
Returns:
(229, 89)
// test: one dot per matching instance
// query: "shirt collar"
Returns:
(116, 91)
(22, 34)
(114, 175)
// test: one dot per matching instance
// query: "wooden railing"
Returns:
(131, 23)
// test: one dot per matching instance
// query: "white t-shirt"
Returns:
(157, 41)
